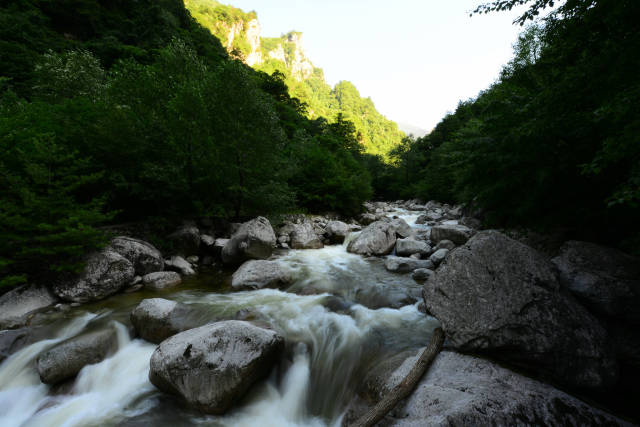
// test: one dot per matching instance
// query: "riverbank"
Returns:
(350, 306)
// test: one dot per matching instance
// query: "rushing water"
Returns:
(342, 316)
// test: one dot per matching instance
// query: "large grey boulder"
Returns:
(157, 319)
(378, 238)
(458, 234)
(403, 230)
(144, 256)
(254, 239)
(161, 280)
(422, 274)
(258, 274)
(337, 231)
(213, 366)
(461, 390)
(405, 265)
(186, 240)
(368, 218)
(66, 359)
(408, 247)
(18, 304)
(178, 264)
(304, 236)
(498, 296)
(104, 274)
(604, 279)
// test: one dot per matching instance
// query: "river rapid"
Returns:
(342, 316)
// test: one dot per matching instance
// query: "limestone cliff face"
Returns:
(253, 37)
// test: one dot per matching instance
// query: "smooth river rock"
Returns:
(460, 390)
(254, 239)
(18, 304)
(405, 265)
(144, 256)
(408, 247)
(378, 238)
(258, 274)
(337, 231)
(213, 366)
(304, 236)
(156, 319)
(604, 279)
(66, 359)
(498, 296)
(161, 280)
(458, 234)
(178, 264)
(105, 273)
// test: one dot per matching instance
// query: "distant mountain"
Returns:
(412, 130)
(239, 32)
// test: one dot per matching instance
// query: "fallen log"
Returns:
(407, 385)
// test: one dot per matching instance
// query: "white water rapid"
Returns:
(343, 315)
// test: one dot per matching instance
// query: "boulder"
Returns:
(606, 280)
(422, 274)
(207, 244)
(337, 231)
(218, 245)
(304, 236)
(18, 304)
(406, 265)
(254, 239)
(144, 256)
(180, 265)
(213, 366)
(460, 390)
(458, 234)
(438, 256)
(498, 296)
(161, 280)
(403, 230)
(408, 247)
(104, 274)
(367, 218)
(186, 240)
(258, 274)
(422, 219)
(445, 244)
(157, 319)
(13, 340)
(378, 238)
(66, 359)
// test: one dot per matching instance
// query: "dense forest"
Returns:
(115, 111)
(554, 143)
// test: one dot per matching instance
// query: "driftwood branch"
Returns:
(407, 385)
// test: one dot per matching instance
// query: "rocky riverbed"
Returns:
(311, 321)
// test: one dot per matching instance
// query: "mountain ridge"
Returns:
(239, 32)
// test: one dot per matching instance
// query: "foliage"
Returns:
(100, 123)
(554, 142)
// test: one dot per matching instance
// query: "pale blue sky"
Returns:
(415, 58)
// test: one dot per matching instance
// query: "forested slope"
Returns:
(116, 111)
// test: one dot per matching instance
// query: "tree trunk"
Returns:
(407, 385)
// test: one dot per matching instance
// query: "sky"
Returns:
(416, 59)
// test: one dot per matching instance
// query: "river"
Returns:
(342, 316)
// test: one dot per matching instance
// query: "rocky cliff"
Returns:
(239, 32)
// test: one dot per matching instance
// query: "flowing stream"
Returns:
(343, 315)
